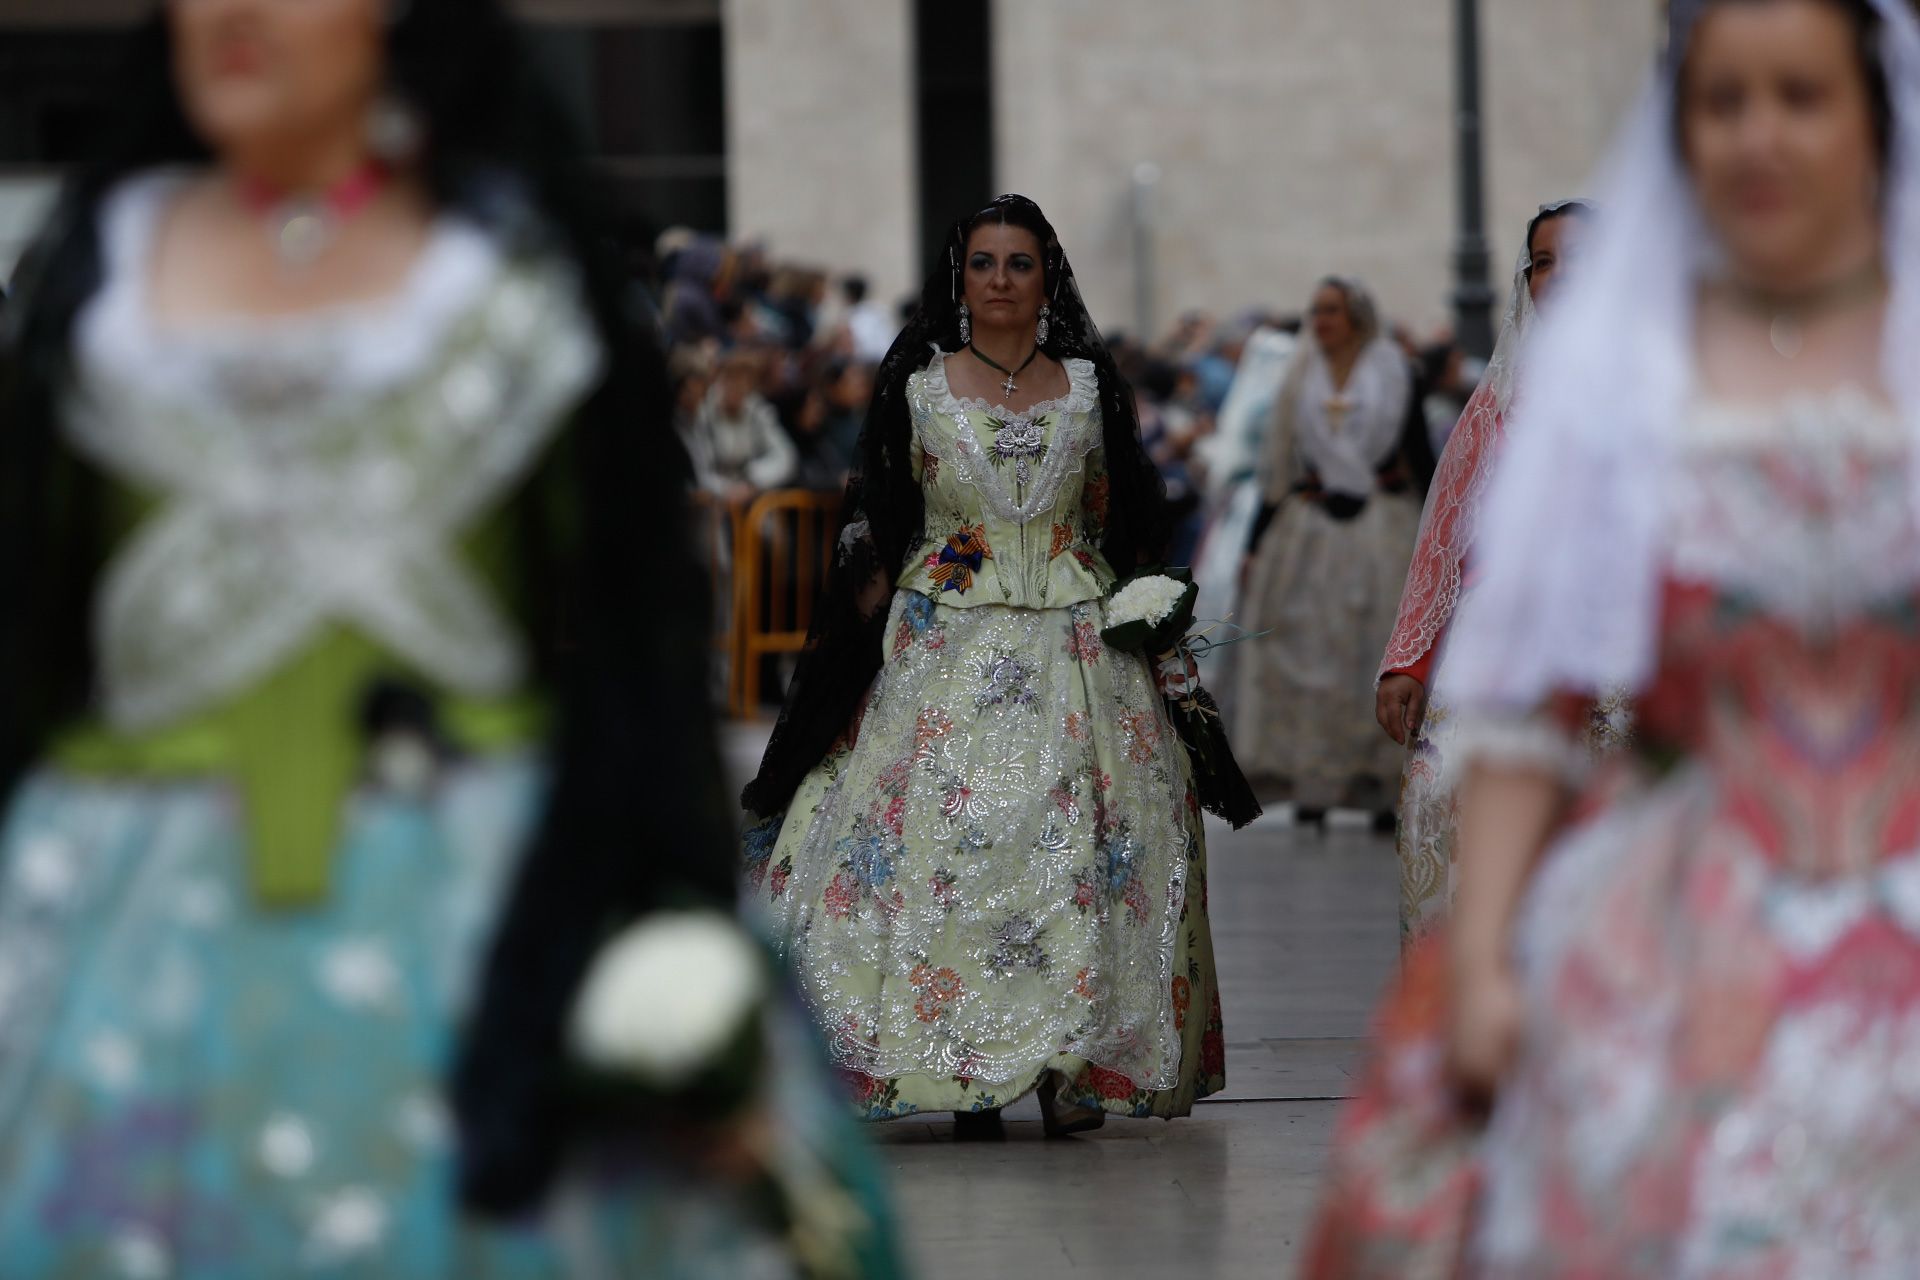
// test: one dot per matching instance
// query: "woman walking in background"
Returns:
(1689, 979)
(981, 845)
(1329, 557)
(1410, 703)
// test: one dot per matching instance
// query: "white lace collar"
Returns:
(352, 351)
(1058, 457)
(1083, 392)
(1843, 415)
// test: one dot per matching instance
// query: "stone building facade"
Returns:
(1290, 137)
(1294, 138)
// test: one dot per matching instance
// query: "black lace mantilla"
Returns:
(885, 510)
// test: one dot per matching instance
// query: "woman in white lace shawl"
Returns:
(1329, 557)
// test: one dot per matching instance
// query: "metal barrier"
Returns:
(782, 551)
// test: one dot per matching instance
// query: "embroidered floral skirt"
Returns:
(1001, 871)
(1429, 808)
(1718, 1075)
(1325, 593)
(192, 1086)
(1429, 821)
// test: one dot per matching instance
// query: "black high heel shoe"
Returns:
(978, 1126)
(1060, 1121)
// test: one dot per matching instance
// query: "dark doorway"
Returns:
(650, 99)
(953, 58)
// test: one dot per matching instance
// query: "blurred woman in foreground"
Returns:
(331, 605)
(1689, 981)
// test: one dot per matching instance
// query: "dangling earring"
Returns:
(394, 131)
(966, 325)
(1040, 330)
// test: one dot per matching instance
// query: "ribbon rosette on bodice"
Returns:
(956, 563)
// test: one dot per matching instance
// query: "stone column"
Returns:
(820, 117)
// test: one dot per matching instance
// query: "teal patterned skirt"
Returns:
(193, 1086)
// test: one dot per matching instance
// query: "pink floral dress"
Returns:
(1720, 954)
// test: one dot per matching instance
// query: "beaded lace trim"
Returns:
(945, 427)
(284, 509)
(1803, 507)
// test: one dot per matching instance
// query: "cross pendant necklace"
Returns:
(1009, 386)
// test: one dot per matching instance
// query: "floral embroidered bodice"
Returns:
(1016, 504)
(315, 471)
(1790, 652)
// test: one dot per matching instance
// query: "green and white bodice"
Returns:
(302, 505)
(1016, 503)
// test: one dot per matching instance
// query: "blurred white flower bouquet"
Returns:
(674, 1008)
(670, 1035)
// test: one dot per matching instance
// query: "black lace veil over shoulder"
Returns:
(884, 510)
(635, 820)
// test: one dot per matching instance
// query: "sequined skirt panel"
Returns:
(1002, 870)
(193, 1087)
(1718, 1078)
(1723, 1075)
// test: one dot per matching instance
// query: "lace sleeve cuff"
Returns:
(1538, 741)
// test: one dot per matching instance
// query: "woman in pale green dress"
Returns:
(981, 844)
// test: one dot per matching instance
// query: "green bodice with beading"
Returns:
(1016, 503)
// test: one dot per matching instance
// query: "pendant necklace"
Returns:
(1787, 314)
(1009, 386)
(302, 225)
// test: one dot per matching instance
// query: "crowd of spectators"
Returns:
(773, 364)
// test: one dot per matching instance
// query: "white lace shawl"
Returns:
(315, 469)
(1232, 452)
(1346, 448)
(1575, 531)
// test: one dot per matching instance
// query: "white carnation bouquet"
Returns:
(670, 1039)
(1151, 613)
